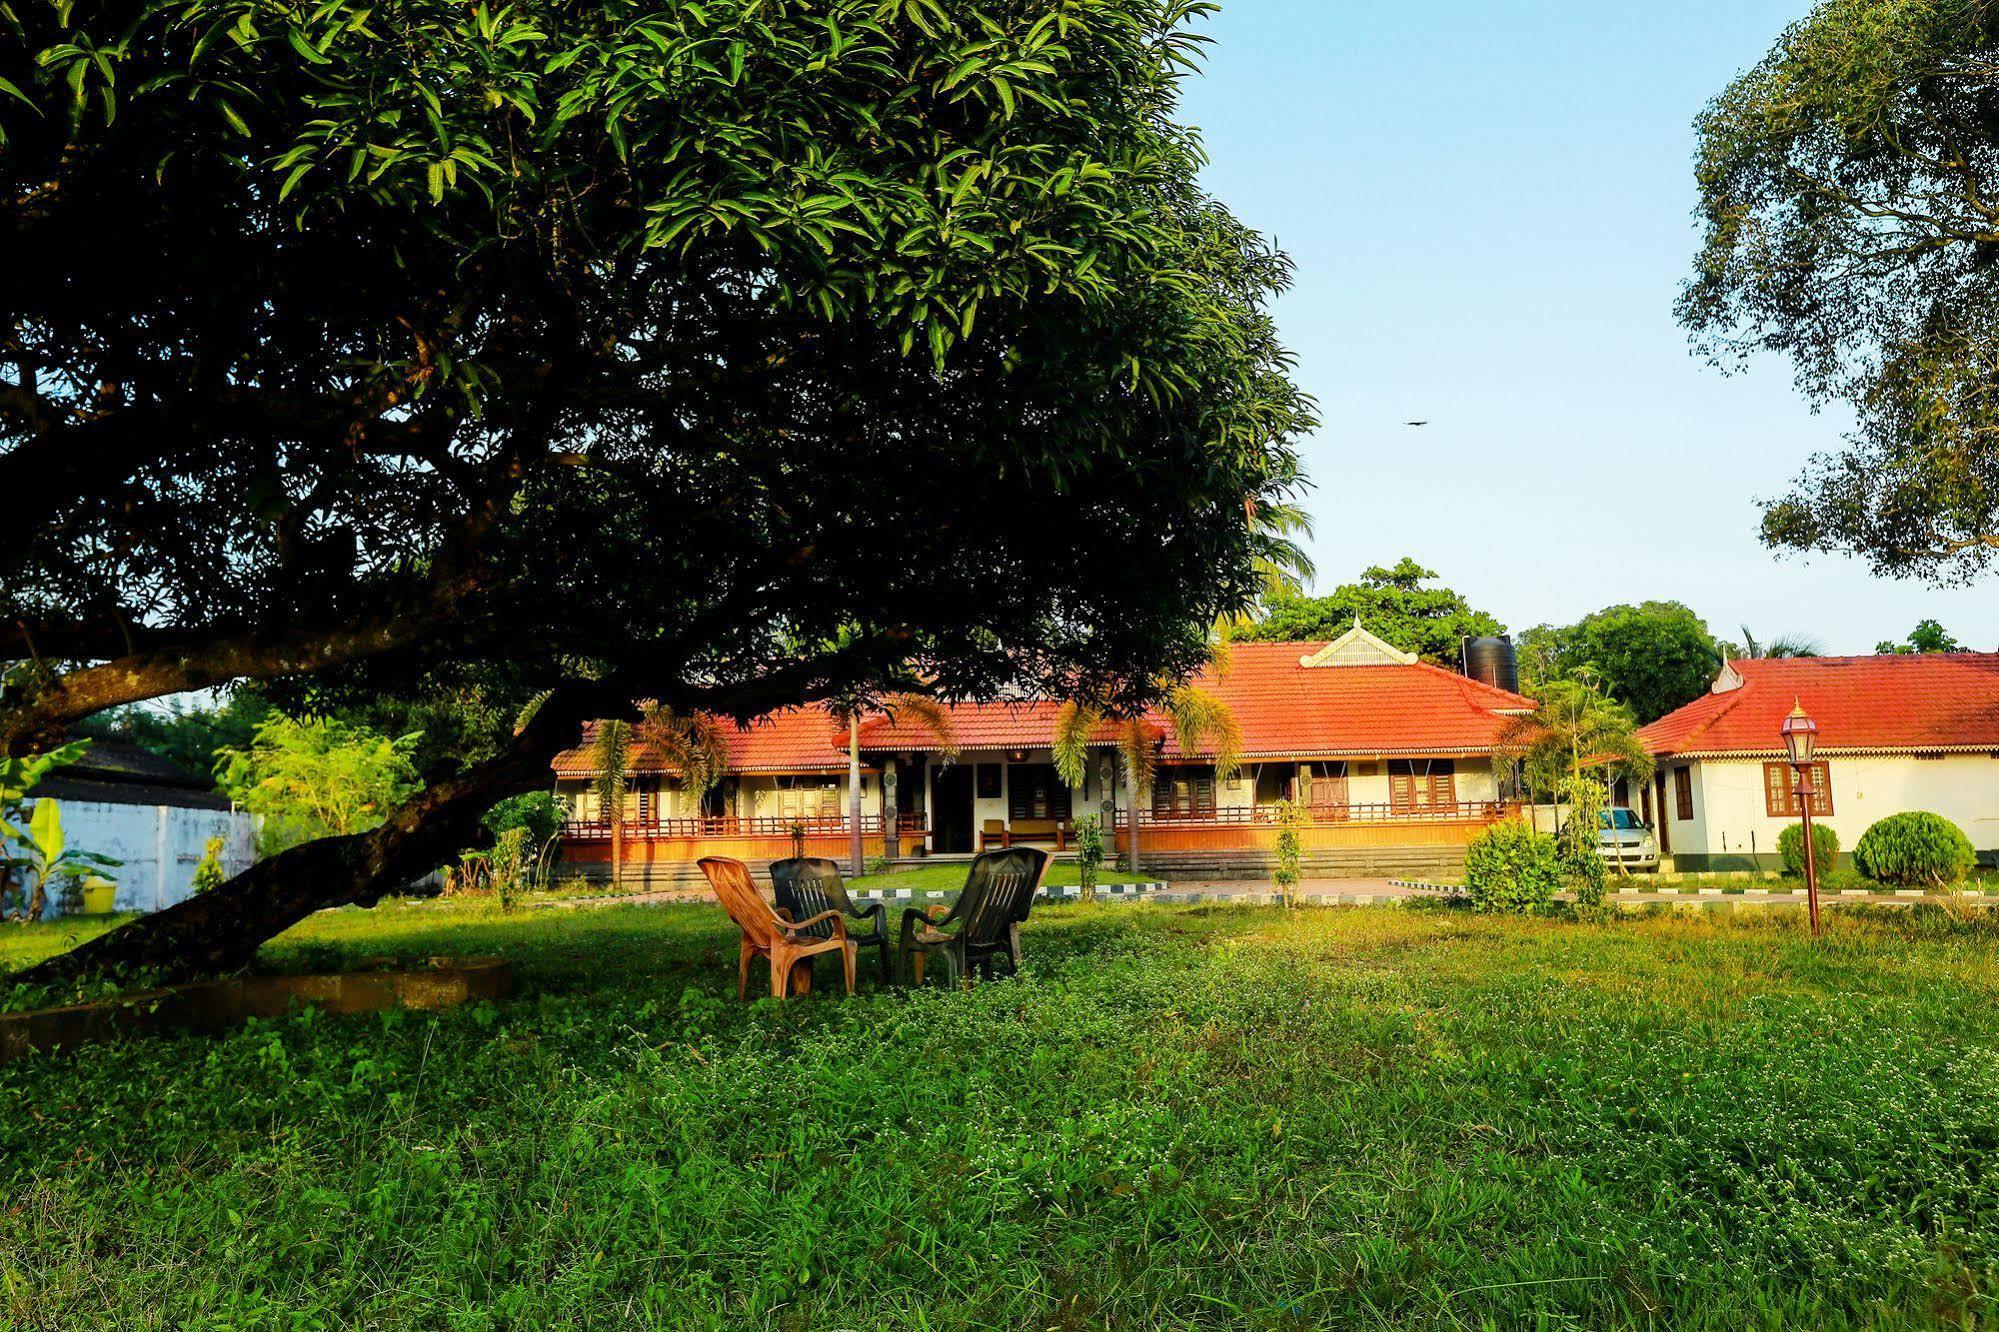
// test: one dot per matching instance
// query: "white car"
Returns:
(1623, 839)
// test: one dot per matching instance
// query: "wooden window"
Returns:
(1419, 786)
(1036, 793)
(988, 780)
(1780, 797)
(1184, 793)
(1683, 794)
(808, 797)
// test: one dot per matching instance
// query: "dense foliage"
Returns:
(1927, 636)
(1848, 183)
(316, 778)
(1248, 1118)
(1825, 849)
(1914, 850)
(733, 354)
(1511, 868)
(1392, 603)
(1653, 657)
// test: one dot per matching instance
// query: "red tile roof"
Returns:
(797, 740)
(1285, 710)
(1926, 702)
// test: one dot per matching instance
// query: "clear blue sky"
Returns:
(1491, 210)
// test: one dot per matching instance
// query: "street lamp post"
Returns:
(1800, 734)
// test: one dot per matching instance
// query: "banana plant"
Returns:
(45, 854)
(20, 776)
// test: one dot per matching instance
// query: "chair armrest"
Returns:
(782, 913)
(875, 911)
(839, 924)
(912, 916)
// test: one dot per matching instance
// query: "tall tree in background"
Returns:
(1653, 657)
(1850, 185)
(733, 355)
(1927, 636)
(1393, 603)
(610, 782)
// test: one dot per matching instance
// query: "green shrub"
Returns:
(1090, 851)
(1916, 850)
(1510, 867)
(1791, 848)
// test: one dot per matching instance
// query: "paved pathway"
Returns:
(1334, 892)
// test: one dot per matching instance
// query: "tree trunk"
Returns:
(854, 847)
(617, 844)
(1131, 790)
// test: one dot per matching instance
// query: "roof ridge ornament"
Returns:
(1729, 680)
(1358, 647)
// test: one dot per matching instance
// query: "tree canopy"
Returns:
(1392, 602)
(1927, 636)
(727, 355)
(1652, 657)
(1850, 187)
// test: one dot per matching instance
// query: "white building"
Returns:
(123, 802)
(1896, 733)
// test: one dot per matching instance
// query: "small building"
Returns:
(1391, 757)
(1896, 733)
(127, 803)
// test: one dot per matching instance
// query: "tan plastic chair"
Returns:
(767, 932)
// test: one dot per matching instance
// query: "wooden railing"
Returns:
(707, 826)
(1248, 816)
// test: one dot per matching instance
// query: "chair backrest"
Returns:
(999, 891)
(738, 894)
(807, 886)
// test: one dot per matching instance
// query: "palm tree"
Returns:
(1783, 645)
(694, 745)
(1577, 727)
(610, 755)
(922, 709)
(1199, 721)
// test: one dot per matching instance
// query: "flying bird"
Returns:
(1415, 423)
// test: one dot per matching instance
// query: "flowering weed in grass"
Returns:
(1188, 1118)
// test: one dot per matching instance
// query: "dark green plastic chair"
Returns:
(999, 892)
(808, 887)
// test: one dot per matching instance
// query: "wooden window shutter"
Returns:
(1683, 793)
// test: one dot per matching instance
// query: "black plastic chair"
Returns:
(808, 886)
(999, 892)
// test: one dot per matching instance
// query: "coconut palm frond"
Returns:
(1202, 721)
(1281, 564)
(931, 715)
(529, 709)
(695, 746)
(610, 756)
(1075, 723)
(1135, 743)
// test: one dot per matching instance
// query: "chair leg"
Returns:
(743, 969)
(918, 963)
(850, 954)
(883, 948)
(780, 973)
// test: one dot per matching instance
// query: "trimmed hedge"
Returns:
(1511, 868)
(1914, 850)
(1791, 848)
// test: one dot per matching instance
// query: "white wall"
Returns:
(1729, 805)
(160, 845)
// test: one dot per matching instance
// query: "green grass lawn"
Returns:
(1203, 1117)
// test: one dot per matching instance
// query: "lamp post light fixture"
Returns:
(1800, 734)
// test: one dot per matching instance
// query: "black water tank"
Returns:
(1491, 661)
